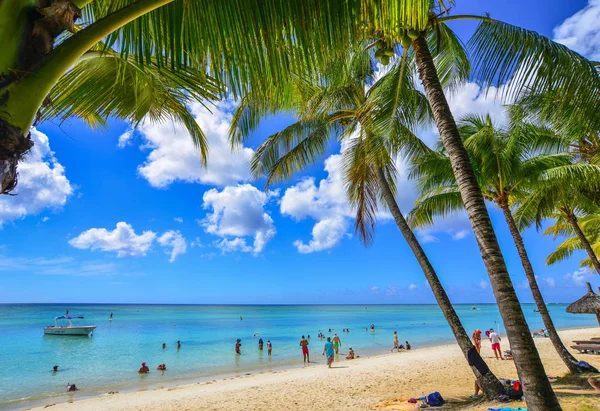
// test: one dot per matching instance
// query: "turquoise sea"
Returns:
(109, 360)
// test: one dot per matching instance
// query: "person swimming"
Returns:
(144, 369)
(162, 367)
(55, 368)
(71, 387)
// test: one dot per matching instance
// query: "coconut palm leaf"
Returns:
(105, 84)
(442, 201)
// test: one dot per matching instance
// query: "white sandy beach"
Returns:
(361, 384)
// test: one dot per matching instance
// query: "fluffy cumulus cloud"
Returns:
(580, 277)
(581, 31)
(325, 203)
(413, 287)
(42, 183)
(173, 157)
(123, 240)
(238, 212)
(174, 242)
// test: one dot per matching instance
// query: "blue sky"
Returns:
(121, 215)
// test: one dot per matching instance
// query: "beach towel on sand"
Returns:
(507, 409)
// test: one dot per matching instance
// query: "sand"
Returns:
(360, 384)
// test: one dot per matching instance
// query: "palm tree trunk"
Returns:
(536, 387)
(572, 219)
(562, 351)
(489, 383)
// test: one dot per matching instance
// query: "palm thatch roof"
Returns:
(588, 304)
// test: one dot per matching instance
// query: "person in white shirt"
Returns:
(495, 340)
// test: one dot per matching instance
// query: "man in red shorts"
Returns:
(495, 340)
(304, 345)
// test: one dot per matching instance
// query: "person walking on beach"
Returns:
(495, 340)
(477, 340)
(396, 343)
(304, 345)
(329, 351)
(269, 347)
(238, 346)
(337, 343)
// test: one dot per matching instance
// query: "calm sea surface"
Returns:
(109, 359)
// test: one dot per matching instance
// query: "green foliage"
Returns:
(106, 84)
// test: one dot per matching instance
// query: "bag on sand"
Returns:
(435, 399)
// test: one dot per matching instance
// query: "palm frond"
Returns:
(441, 201)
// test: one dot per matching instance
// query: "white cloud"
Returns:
(549, 281)
(45, 219)
(197, 243)
(178, 220)
(174, 241)
(413, 287)
(123, 240)
(327, 204)
(42, 183)
(580, 277)
(483, 284)
(581, 31)
(173, 156)
(238, 211)
(125, 138)
(374, 289)
(325, 235)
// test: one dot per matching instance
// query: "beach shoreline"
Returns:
(364, 382)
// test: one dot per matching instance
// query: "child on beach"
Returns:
(269, 347)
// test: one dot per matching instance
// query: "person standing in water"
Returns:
(164, 346)
(269, 347)
(238, 346)
(178, 344)
(260, 344)
(110, 317)
(67, 313)
(304, 345)
(337, 343)
(329, 351)
(396, 342)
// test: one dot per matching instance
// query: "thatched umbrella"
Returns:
(588, 304)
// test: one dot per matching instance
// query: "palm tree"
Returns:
(239, 43)
(336, 106)
(508, 164)
(590, 225)
(569, 193)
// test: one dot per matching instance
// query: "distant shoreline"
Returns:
(242, 379)
(257, 305)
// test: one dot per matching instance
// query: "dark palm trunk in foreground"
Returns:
(562, 351)
(536, 387)
(490, 384)
(572, 219)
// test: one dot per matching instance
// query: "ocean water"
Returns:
(109, 359)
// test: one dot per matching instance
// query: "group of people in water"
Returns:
(161, 367)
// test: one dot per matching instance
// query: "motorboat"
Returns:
(70, 329)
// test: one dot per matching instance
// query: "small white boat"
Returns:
(70, 329)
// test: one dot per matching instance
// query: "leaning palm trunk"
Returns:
(489, 383)
(536, 387)
(562, 351)
(572, 219)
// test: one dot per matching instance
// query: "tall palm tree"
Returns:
(507, 164)
(590, 225)
(335, 105)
